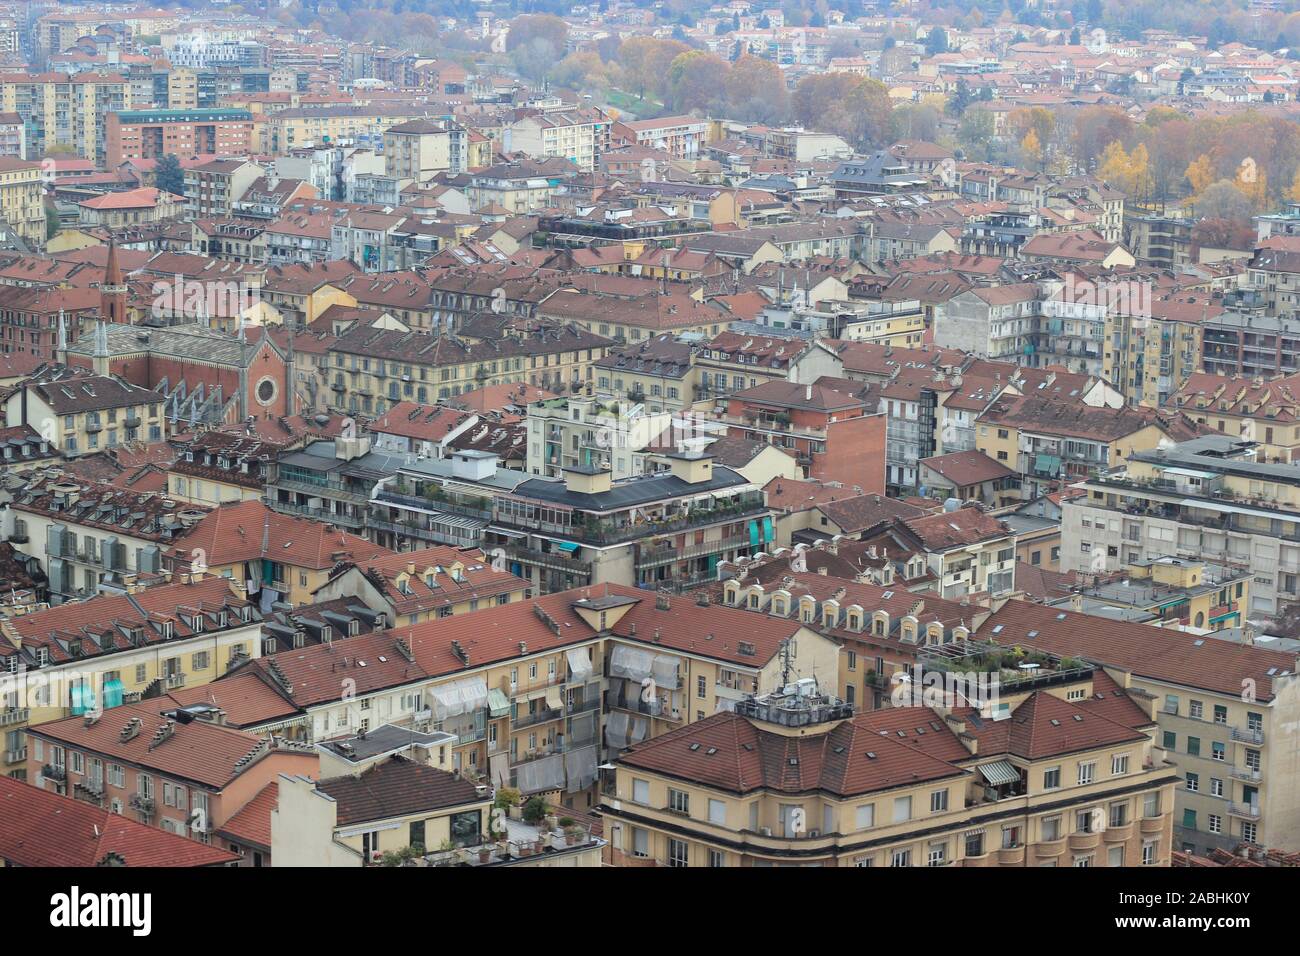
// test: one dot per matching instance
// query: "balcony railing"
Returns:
(1249, 810)
(1248, 735)
(606, 533)
(537, 717)
(1245, 773)
(14, 715)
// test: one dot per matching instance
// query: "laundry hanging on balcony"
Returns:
(459, 697)
(580, 768)
(579, 664)
(544, 773)
(631, 663)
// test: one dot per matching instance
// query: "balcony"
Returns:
(537, 717)
(1155, 824)
(57, 774)
(1249, 811)
(620, 532)
(14, 715)
(1011, 856)
(175, 680)
(1245, 773)
(1118, 833)
(1248, 735)
(16, 756)
(649, 557)
(142, 804)
(1049, 849)
(547, 559)
(1080, 842)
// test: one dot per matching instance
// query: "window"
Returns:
(938, 801)
(1216, 787)
(1170, 740)
(975, 843)
(1193, 746)
(1052, 779)
(116, 775)
(1195, 709)
(678, 854)
(679, 801)
(1119, 814)
(1151, 804)
(1087, 771)
(701, 687)
(640, 842)
(1119, 765)
(937, 855)
(901, 858)
(1051, 827)
(1220, 714)
(717, 812)
(902, 809)
(1218, 751)
(866, 816)
(641, 791)
(717, 858)
(1215, 823)
(1193, 782)
(1148, 854)
(416, 835)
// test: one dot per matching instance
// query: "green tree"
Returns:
(169, 176)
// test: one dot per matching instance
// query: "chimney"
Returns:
(662, 602)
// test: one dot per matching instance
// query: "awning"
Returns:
(579, 664)
(630, 663)
(498, 703)
(1000, 773)
(580, 769)
(665, 669)
(767, 530)
(113, 693)
(553, 699)
(566, 546)
(499, 767)
(459, 697)
(1047, 464)
(83, 699)
(753, 533)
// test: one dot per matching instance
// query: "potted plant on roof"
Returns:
(534, 811)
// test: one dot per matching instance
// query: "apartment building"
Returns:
(831, 427)
(420, 149)
(567, 433)
(1266, 412)
(680, 136)
(424, 585)
(22, 202)
(783, 780)
(1224, 710)
(154, 133)
(1168, 591)
(91, 534)
(659, 373)
(580, 136)
(213, 188)
(81, 414)
(1048, 442)
(30, 317)
(277, 557)
(370, 369)
(67, 110)
(1208, 498)
(521, 688)
(97, 654)
(144, 760)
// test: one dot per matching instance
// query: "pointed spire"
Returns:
(63, 336)
(112, 270)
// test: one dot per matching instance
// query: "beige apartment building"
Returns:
(796, 779)
(1226, 712)
(162, 637)
(22, 200)
(1209, 498)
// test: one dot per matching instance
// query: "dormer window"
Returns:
(168, 629)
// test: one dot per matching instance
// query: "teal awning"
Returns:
(1047, 464)
(498, 703)
(767, 530)
(83, 699)
(567, 546)
(113, 693)
(1000, 773)
(753, 533)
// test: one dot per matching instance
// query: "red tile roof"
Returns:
(45, 829)
(252, 824)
